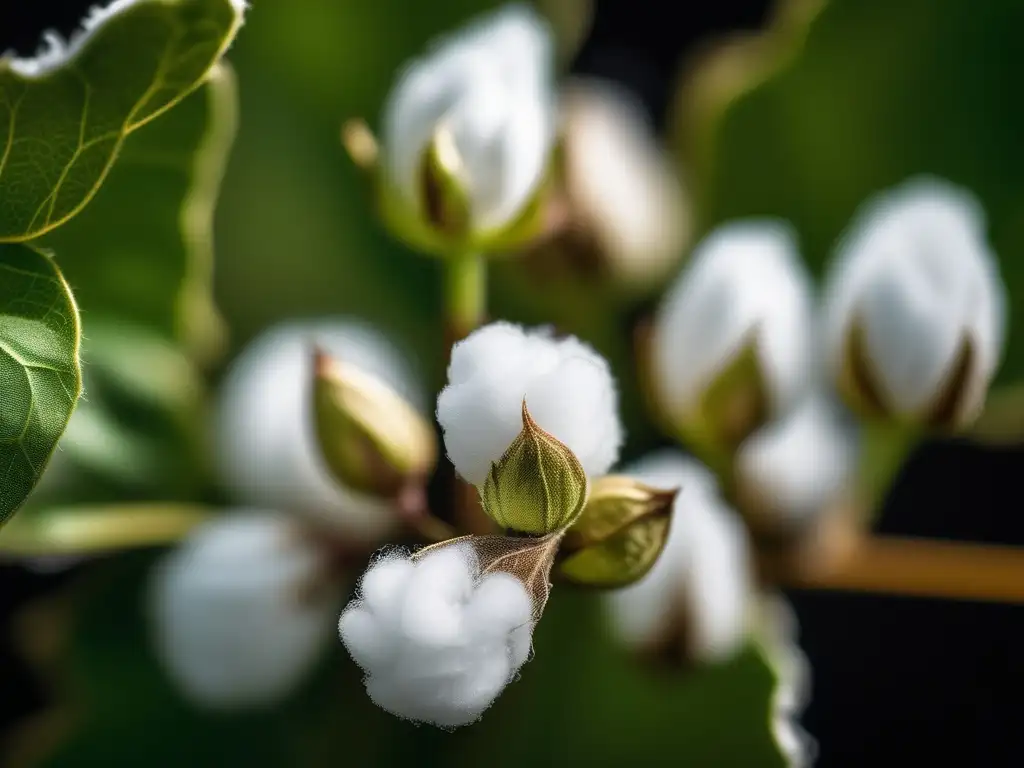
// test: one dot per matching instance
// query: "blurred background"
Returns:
(879, 90)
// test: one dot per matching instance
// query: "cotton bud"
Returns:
(266, 443)
(696, 597)
(732, 340)
(440, 634)
(567, 385)
(468, 132)
(236, 619)
(790, 470)
(371, 438)
(915, 307)
(619, 535)
(538, 486)
(626, 207)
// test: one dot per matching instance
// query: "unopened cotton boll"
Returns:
(703, 576)
(915, 309)
(266, 446)
(240, 611)
(438, 641)
(487, 89)
(567, 386)
(745, 285)
(792, 468)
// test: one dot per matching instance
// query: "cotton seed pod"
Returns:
(468, 132)
(732, 341)
(915, 309)
(538, 486)
(370, 437)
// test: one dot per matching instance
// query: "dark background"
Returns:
(894, 679)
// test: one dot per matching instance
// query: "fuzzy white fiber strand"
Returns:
(266, 445)
(916, 272)
(491, 85)
(703, 575)
(568, 388)
(745, 283)
(437, 641)
(803, 461)
(233, 617)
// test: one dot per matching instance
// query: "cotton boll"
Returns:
(745, 285)
(489, 87)
(791, 469)
(916, 278)
(568, 388)
(265, 440)
(235, 621)
(703, 576)
(438, 640)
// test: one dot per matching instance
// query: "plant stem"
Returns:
(465, 298)
(465, 303)
(923, 568)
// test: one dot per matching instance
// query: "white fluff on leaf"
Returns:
(745, 284)
(916, 272)
(703, 575)
(54, 52)
(236, 617)
(491, 85)
(802, 462)
(568, 388)
(437, 641)
(266, 446)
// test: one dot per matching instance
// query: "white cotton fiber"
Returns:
(568, 388)
(235, 618)
(703, 574)
(437, 640)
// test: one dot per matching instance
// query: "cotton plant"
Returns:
(245, 606)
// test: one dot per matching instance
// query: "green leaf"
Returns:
(39, 369)
(144, 248)
(65, 114)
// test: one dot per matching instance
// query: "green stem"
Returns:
(465, 298)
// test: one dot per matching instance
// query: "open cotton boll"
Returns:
(745, 284)
(491, 85)
(437, 640)
(703, 576)
(266, 445)
(568, 388)
(236, 619)
(792, 468)
(917, 277)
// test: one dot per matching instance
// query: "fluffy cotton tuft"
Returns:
(568, 387)
(745, 281)
(437, 641)
(265, 439)
(235, 618)
(802, 462)
(491, 84)
(916, 271)
(702, 575)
